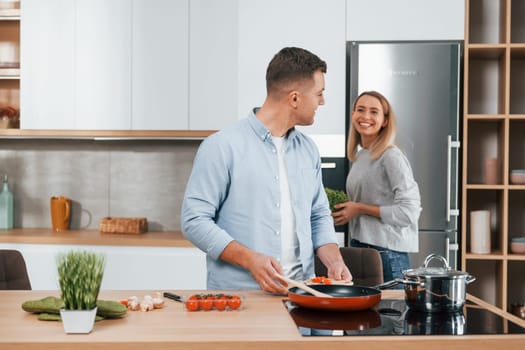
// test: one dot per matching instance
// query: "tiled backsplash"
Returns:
(102, 178)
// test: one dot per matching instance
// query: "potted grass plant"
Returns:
(80, 276)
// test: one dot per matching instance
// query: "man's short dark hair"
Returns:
(291, 64)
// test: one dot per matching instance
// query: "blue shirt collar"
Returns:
(262, 131)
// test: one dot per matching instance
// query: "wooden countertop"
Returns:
(263, 323)
(94, 237)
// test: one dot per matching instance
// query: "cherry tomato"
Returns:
(220, 303)
(206, 304)
(192, 305)
(234, 302)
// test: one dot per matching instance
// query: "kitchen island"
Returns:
(262, 323)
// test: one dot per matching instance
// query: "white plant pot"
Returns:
(78, 321)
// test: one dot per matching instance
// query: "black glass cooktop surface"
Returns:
(393, 317)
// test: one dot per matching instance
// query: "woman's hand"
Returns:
(345, 212)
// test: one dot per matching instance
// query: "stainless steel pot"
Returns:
(434, 289)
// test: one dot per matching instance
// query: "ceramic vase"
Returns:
(78, 321)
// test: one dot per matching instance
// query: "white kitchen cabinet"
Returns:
(47, 64)
(127, 268)
(103, 64)
(159, 72)
(75, 64)
(213, 63)
(266, 26)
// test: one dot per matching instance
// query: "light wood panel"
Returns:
(492, 115)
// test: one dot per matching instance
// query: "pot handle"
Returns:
(436, 256)
(395, 282)
(470, 279)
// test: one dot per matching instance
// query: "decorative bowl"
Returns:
(517, 176)
(517, 245)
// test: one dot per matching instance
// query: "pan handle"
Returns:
(388, 284)
(397, 281)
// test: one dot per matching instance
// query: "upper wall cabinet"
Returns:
(47, 77)
(168, 64)
(213, 63)
(160, 76)
(104, 65)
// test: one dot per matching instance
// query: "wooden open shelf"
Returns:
(9, 58)
(494, 127)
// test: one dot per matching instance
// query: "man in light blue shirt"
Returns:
(255, 201)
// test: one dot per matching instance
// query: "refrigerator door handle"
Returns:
(328, 165)
(450, 247)
(450, 144)
(447, 249)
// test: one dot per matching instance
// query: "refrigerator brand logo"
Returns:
(404, 73)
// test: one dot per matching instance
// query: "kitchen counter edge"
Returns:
(94, 237)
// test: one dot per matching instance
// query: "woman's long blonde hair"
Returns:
(387, 135)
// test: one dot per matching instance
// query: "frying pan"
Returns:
(344, 297)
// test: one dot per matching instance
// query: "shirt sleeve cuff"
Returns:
(386, 215)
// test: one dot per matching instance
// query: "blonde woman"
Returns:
(384, 201)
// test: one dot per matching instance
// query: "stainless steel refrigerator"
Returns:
(422, 80)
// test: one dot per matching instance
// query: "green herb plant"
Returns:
(80, 276)
(334, 197)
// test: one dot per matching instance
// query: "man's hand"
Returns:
(262, 267)
(331, 257)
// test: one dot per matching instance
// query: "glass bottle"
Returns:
(6, 206)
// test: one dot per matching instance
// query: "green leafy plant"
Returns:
(335, 196)
(80, 276)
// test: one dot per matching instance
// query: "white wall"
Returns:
(385, 20)
(266, 26)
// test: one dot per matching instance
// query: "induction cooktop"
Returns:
(393, 317)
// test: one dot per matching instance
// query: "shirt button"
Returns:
(277, 232)
(276, 177)
(277, 205)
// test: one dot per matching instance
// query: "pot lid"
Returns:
(431, 271)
